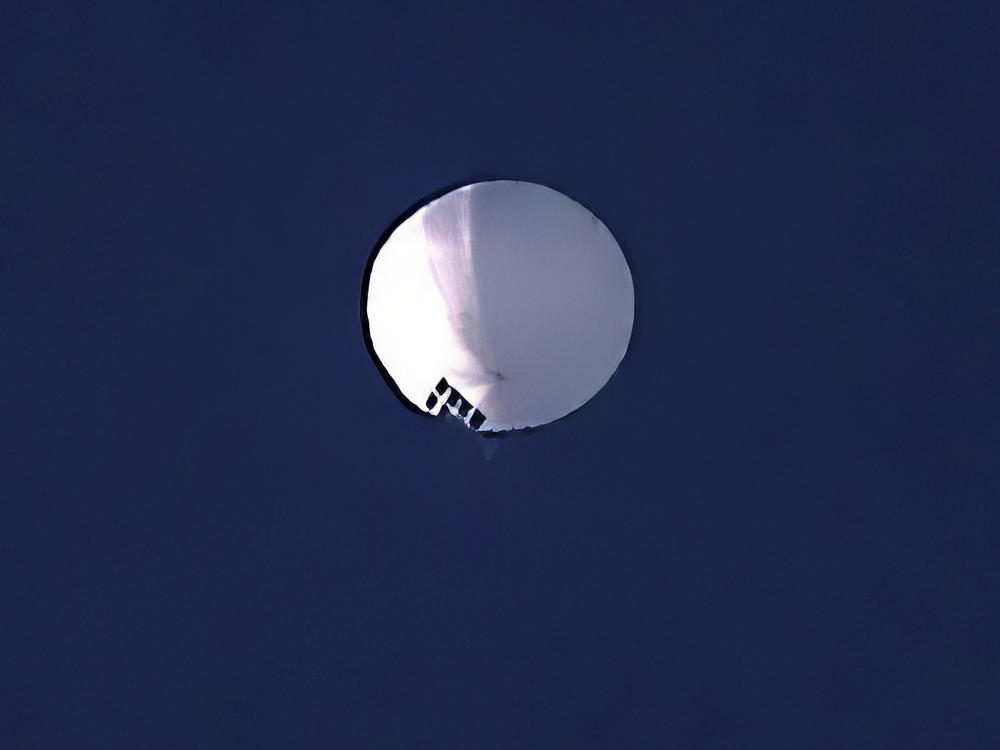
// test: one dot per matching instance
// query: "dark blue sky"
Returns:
(776, 528)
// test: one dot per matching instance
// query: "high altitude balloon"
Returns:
(507, 303)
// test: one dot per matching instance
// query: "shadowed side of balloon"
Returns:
(533, 298)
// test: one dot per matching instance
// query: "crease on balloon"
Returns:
(448, 237)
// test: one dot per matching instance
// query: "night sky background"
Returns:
(776, 527)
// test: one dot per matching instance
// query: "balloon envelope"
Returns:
(506, 302)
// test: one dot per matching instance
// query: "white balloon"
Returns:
(505, 302)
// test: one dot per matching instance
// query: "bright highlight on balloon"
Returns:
(506, 303)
